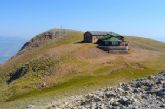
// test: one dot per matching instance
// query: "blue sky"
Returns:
(26, 18)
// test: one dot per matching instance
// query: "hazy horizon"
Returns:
(9, 46)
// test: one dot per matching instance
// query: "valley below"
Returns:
(9, 46)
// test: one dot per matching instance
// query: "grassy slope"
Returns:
(79, 68)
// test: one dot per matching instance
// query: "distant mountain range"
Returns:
(9, 47)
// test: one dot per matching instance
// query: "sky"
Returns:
(27, 18)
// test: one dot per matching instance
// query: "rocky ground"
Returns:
(145, 93)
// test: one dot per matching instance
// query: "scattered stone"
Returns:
(29, 106)
(145, 93)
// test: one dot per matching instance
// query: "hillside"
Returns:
(49, 68)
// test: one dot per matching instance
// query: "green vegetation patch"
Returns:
(36, 67)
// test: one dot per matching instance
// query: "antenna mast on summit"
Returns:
(60, 30)
(61, 27)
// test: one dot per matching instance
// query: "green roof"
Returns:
(113, 39)
(110, 38)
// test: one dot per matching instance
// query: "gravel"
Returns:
(145, 93)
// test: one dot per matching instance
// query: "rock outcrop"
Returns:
(44, 37)
(145, 93)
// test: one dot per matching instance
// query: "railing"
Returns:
(117, 47)
(114, 47)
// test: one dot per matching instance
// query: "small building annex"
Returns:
(113, 43)
(111, 40)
